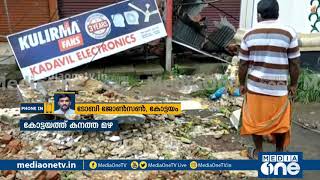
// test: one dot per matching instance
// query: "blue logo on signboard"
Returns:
(280, 165)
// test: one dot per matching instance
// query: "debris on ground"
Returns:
(231, 87)
(202, 131)
(235, 118)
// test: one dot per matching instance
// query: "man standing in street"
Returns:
(269, 53)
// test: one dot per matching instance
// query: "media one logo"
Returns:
(280, 165)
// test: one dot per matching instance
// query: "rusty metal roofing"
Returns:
(72, 7)
(23, 14)
(228, 8)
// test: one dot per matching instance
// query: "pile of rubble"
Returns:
(203, 131)
(155, 139)
(90, 90)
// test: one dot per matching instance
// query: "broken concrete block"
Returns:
(11, 116)
(92, 85)
(5, 139)
(189, 89)
(130, 119)
(218, 134)
(171, 117)
(235, 118)
(190, 105)
(185, 140)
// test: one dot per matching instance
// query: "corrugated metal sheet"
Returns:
(219, 39)
(24, 14)
(232, 7)
(69, 8)
(188, 35)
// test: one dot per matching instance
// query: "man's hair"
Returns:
(268, 9)
(63, 96)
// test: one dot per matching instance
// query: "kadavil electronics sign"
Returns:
(56, 47)
(281, 165)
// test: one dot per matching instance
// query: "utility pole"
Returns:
(169, 8)
(7, 14)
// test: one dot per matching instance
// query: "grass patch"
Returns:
(166, 75)
(133, 80)
(130, 79)
(308, 87)
(176, 70)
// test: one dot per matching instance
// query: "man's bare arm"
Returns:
(294, 70)
(243, 70)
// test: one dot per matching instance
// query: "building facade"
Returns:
(18, 15)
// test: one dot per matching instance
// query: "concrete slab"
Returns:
(7, 60)
(5, 49)
(120, 69)
(148, 69)
(6, 68)
(89, 71)
(188, 68)
(211, 68)
(198, 67)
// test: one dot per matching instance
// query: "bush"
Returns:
(308, 87)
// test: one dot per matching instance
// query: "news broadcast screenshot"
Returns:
(159, 89)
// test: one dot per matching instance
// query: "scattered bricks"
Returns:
(14, 146)
(109, 94)
(7, 173)
(48, 144)
(59, 154)
(244, 153)
(39, 175)
(5, 139)
(53, 175)
(25, 178)
(36, 173)
(10, 177)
